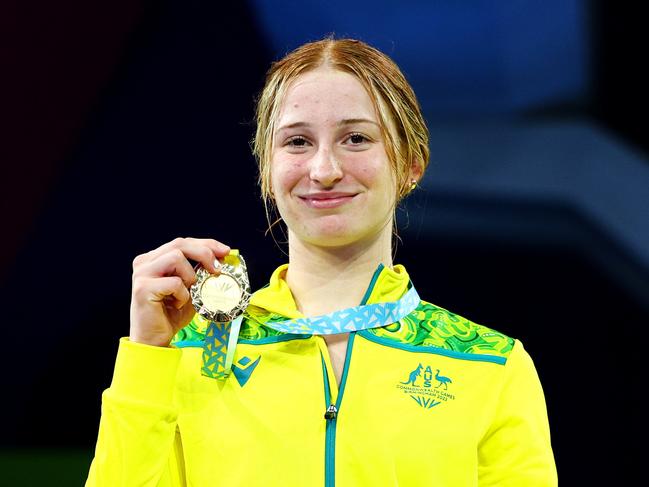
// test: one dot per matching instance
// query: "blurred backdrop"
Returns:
(128, 124)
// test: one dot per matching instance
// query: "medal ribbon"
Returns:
(352, 319)
(218, 348)
(221, 338)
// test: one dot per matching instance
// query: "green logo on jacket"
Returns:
(426, 388)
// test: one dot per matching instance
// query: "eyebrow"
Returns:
(346, 121)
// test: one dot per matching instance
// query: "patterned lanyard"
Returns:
(221, 338)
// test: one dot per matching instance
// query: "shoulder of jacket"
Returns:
(435, 329)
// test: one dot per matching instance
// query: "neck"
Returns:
(327, 279)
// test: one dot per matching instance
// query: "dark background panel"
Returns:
(162, 152)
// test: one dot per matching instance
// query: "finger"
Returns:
(189, 246)
(220, 249)
(173, 263)
(170, 290)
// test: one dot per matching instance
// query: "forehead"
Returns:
(325, 94)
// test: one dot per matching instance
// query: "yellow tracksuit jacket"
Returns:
(432, 400)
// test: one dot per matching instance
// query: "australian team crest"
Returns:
(427, 388)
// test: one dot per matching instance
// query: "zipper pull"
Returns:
(331, 412)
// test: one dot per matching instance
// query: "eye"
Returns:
(357, 139)
(297, 141)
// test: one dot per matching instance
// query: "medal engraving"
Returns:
(220, 293)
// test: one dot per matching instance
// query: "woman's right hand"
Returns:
(160, 301)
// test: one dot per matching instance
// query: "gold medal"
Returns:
(222, 298)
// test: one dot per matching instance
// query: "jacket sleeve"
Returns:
(138, 442)
(516, 448)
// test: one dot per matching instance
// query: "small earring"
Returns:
(413, 184)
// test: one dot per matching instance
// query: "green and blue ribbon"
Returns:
(221, 338)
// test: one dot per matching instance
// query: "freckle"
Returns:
(295, 106)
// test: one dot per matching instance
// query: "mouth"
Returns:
(327, 200)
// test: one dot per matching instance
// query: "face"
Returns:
(330, 175)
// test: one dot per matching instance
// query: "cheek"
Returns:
(370, 173)
(375, 172)
(285, 174)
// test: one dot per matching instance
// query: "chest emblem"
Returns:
(244, 369)
(427, 388)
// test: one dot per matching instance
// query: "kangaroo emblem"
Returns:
(442, 380)
(413, 375)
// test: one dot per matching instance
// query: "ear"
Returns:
(416, 171)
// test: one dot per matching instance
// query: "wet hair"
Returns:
(402, 124)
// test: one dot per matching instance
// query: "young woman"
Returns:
(418, 397)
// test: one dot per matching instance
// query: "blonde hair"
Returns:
(402, 124)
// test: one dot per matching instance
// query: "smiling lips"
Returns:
(327, 200)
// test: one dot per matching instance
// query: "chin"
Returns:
(336, 230)
(341, 237)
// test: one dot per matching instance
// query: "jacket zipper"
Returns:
(332, 411)
(331, 415)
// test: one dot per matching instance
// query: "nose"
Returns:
(325, 169)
